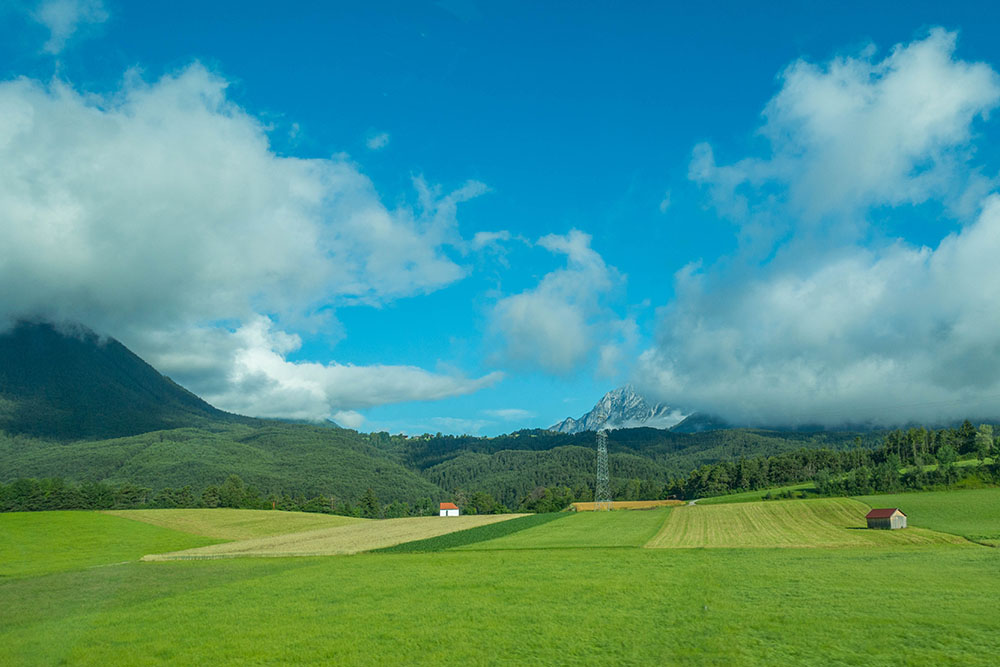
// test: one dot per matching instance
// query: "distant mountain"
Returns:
(68, 383)
(700, 423)
(621, 408)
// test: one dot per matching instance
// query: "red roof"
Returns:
(883, 513)
(449, 506)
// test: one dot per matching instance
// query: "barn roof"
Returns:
(884, 513)
(449, 506)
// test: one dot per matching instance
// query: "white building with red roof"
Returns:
(449, 509)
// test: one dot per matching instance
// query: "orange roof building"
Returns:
(449, 509)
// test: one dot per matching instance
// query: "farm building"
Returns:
(449, 509)
(886, 519)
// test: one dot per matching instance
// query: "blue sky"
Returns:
(476, 217)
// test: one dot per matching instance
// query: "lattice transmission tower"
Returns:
(602, 491)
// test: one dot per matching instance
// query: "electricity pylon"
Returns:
(602, 491)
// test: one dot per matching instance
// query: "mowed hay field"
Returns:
(629, 505)
(338, 540)
(233, 524)
(583, 530)
(973, 514)
(828, 522)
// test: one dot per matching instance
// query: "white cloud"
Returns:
(861, 132)
(665, 202)
(247, 372)
(378, 141)
(482, 240)
(556, 325)
(64, 18)
(159, 214)
(838, 332)
(349, 419)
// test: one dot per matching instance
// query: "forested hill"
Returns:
(86, 410)
(69, 384)
(643, 461)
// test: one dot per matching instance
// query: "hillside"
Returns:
(86, 409)
(272, 456)
(70, 384)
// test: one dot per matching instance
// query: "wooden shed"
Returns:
(449, 509)
(890, 518)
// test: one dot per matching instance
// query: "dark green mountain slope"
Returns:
(72, 385)
(273, 456)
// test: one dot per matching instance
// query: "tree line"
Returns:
(912, 459)
(32, 495)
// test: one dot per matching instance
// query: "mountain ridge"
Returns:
(69, 383)
(623, 407)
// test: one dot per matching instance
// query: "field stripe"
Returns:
(834, 522)
(475, 535)
(349, 539)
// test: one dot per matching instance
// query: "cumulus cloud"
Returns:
(64, 18)
(859, 132)
(160, 213)
(556, 325)
(260, 381)
(828, 334)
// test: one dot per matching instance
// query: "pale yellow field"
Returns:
(233, 524)
(829, 522)
(629, 505)
(348, 539)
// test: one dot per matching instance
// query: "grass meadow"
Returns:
(349, 538)
(33, 543)
(758, 495)
(829, 522)
(585, 530)
(578, 589)
(973, 513)
(233, 524)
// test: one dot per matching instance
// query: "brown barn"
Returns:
(886, 519)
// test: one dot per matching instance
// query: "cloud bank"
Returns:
(829, 329)
(160, 214)
(557, 324)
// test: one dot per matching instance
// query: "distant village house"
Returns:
(886, 519)
(449, 509)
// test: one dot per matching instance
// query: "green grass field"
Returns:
(974, 514)
(232, 524)
(34, 543)
(547, 601)
(628, 528)
(342, 539)
(461, 538)
(754, 496)
(828, 522)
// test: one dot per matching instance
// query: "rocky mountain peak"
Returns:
(623, 407)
